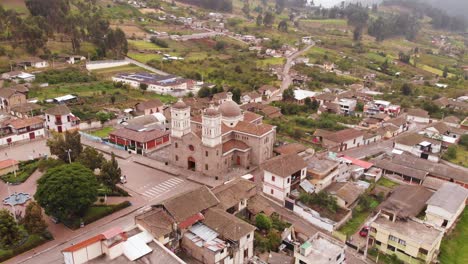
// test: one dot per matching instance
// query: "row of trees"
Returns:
(387, 26)
(50, 17)
(440, 18)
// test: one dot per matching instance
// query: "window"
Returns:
(272, 178)
(177, 158)
(176, 145)
(402, 242)
(206, 166)
(423, 251)
(271, 191)
(338, 257)
(354, 141)
(206, 153)
(288, 180)
(378, 242)
(248, 236)
(392, 248)
(191, 147)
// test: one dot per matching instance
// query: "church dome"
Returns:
(179, 105)
(230, 108)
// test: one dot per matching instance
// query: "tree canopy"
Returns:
(91, 158)
(60, 144)
(9, 231)
(110, 172)
(67, 191)
(33, 220)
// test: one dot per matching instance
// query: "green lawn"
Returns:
(143, 45)
(270, 61)
(96, 212)
(454, 247)
(387, 183)
(103, 132)
(144, 58)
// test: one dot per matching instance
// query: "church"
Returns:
(219, 139)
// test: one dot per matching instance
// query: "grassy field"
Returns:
(143, 45)
(271, 61)
(103, 132)
(454, 247)
(142, 57)
(462, 157)
(339, 22)
(387, 183)
(17, 5)
(114, 70)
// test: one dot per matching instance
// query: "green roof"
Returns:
(307, 244)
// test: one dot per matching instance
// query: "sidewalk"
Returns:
(158, 165)
(105, 148)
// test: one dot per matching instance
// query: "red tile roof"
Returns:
(139, 136)
(234, 144)
(343, 135)
(253, 129)
(191, 220)
(250, 116)
(84, 244)
(7, 163)
(361, 163)
(25, 122)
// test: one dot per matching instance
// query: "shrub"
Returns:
(263, 222)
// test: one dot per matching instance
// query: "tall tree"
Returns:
(33, 220)
(9, 231)
(91, 158)
(269, 19)
(110, 172)
(283, 25)
(65, 144)
(259, 20)
(67, 191)
(288, 94)
(445, 73)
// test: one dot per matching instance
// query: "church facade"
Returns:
(219, 139)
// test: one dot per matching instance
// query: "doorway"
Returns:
(32, 135)
(191, 163)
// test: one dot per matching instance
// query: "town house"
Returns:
(282, 174)
(60, 119)
(24, 129)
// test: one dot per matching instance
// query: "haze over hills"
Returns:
(455, 7)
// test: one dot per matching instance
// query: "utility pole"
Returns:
(69, 157)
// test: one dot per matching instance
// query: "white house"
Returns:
(347, 105)
(418, 116)
(419, 146)
(307, 40)
(282, 174)
(163, 84)
(20, 130)
(447, 203)
(251, 97)
(59, 118)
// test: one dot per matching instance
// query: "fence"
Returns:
(99, 140)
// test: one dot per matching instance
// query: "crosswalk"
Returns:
(154, 191)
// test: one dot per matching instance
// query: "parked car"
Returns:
(364, 231)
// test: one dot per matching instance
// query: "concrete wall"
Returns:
(314, 218)
(280, 186)
(96, 65)
(437, 215)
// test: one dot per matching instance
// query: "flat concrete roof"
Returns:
(416, 231)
